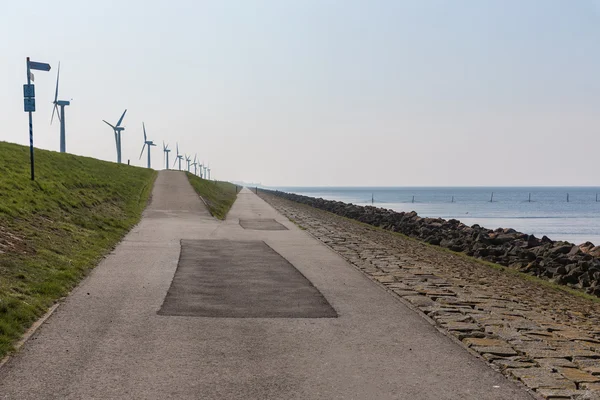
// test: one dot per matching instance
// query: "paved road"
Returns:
(108, 341)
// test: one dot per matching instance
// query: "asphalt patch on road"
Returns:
(262, 225)
(240, 279)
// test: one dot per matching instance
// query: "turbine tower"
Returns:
(188, 160)
(148, 143)
(204, 166)
(166, 151)
(195, 164)
(208, 171)
(61, 114)
(179, 157)
(118, 129)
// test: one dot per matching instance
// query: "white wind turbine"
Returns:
(61, 114)
(178, 157)
(148, 143)
(195, 164)
(118, 129)
(166, 151)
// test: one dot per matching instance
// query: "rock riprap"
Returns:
(576, 266)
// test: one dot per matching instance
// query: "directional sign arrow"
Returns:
(39, 66)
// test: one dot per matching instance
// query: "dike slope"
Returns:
(218, 196)
(564, 263)
(55, 229)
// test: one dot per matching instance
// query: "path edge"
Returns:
(29, 333)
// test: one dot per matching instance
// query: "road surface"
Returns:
(113, 338)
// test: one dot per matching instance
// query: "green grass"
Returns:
(54, 230)
(219, 196)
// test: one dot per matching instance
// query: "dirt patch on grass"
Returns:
(12, 243)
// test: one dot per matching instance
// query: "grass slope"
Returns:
(54, 230)
(219, 196)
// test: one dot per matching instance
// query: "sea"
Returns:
(561, 213)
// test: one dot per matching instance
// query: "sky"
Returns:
(319, 92)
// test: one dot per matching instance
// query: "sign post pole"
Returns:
(29, 102)
(31, 158)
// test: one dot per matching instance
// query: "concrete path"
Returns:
(107, 340)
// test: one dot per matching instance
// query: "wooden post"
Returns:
(492, 198)
(530, 197)
(372, 198)
(452, 199)
(413, 200)
(567, 197)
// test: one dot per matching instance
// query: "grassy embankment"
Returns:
(54, 230)
(219, 196)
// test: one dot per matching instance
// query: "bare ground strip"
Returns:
(240, 279)
(262, 225)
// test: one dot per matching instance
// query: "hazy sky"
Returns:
(304, 92)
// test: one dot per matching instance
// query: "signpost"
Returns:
(29, 102)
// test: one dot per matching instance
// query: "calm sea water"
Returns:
(548, 213)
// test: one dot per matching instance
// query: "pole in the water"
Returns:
(492, 198)
(452, 199)
(567, 197)
(372, 198)
(413, 200)
(530, 197)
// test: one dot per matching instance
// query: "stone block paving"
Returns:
(546, 338)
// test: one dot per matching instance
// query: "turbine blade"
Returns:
(121, 119)
(142, 150)
(144, 126)
(109, 124)
(53, 110)
(177, 144)
(195, 156)
(56, 91)
(164, 147)
(175, 161)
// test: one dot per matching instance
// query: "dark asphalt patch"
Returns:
(262, 225)
(240, 279)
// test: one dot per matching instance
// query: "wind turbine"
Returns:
(188, 160)
(61, 114)
(195, 164)
(166, 151)
(208, 171)
(179, 157)
(204, 166)
(148, 143)
(118, 129)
